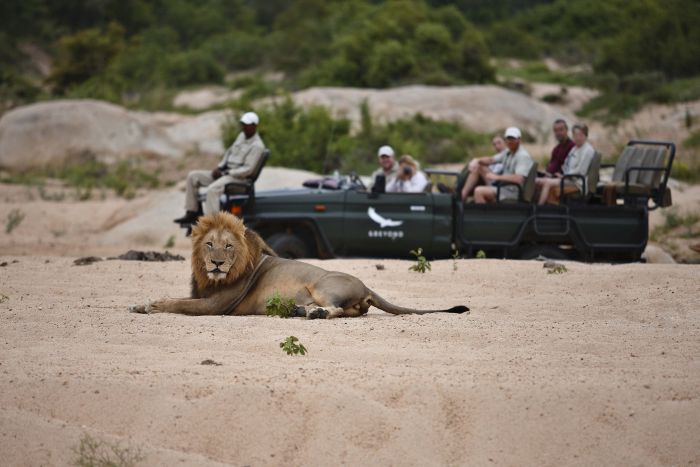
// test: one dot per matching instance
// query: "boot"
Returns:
(190, 217)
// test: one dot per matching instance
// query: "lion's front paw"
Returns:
(144, 309)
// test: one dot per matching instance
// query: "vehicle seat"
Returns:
(525, 192)
(247, 187)
(646, 168)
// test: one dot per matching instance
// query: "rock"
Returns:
(484, 108)
(204, 98)
(52, 133)
(654, 254)
(85, 260)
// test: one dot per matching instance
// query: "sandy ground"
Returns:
(596, 366)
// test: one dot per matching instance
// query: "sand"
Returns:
(596, 366)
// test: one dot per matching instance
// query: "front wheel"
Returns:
(288, 246)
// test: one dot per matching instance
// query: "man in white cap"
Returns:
(516, 166)
(238, 163)
(388, 165)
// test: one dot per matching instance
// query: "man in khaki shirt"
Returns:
(516, 166)
(387, 165)
(238, 163)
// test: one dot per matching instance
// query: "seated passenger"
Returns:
(387, 165)
(560, 151)
(577, 162)
(516, 166)
(409, 179)
(499, 145)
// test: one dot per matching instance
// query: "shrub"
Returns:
(422, 264)
(292, 346)
(276, 305)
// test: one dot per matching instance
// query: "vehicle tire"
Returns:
(288, 246)
(549, 252)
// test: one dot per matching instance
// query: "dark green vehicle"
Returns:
(341, 217)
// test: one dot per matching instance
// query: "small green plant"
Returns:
(455, 257)
(95, 453)
(292, 346)
(279, 306)
(557, 269)
(481, 254)
(170, 243)
(14, 219)
(3, 298)
(422, 264)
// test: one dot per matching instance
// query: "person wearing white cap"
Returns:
(389, 168)
(516, 166)
(238, 163)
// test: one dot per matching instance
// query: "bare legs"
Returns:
(545, 185)
(476, 175)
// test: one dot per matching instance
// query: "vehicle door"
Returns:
(387, 224)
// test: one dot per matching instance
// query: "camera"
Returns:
(407, 171)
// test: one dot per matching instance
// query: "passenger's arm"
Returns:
(515, 178)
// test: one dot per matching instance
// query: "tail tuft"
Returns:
(458, 309)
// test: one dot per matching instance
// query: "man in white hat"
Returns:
(516, 166)
(387, 165)
(238, 163)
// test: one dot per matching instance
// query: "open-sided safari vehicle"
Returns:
(340, 217)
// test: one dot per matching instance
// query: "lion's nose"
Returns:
(217, 263)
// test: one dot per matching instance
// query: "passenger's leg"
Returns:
(214, 192)
(195, 179)
(473, 179)
(546, 184)
(484, 194)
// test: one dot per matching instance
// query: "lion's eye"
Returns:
(229, 246)
(210, 245)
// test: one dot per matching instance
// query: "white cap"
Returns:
(250, 118)
(512, 132)
(385, 151)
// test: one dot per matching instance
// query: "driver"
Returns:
(387, 165)
(238, 163)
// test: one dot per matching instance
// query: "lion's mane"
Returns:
(247, 249)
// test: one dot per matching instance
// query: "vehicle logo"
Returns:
(382, 221)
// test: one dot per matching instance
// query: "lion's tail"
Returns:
(375, 300)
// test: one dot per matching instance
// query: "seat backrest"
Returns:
(593, 174)
(529, 183)
(654, 157)
(261, 163)
(632, 156)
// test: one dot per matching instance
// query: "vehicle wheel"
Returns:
(287, 246)
(549, 252)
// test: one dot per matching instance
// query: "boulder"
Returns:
(484, 108)
(51, 133)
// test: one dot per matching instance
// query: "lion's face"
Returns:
(221, 250)
(218, 250)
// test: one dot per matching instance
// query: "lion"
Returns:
(234, 272)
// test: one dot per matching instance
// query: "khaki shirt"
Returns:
(390, 175)
(243, 156)
(518, 163)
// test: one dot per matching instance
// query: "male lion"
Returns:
(234, 272)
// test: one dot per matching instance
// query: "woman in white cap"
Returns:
(238, 163)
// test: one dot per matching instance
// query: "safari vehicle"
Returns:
(339, 216)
